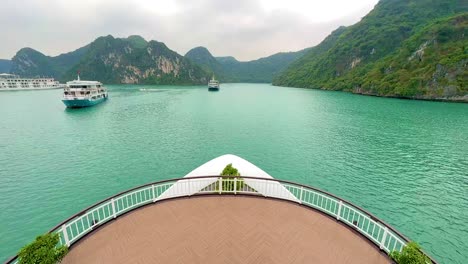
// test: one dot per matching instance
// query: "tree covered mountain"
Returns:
(113, 60)
(301, 67)
(134, 60)
(228, 69)
(5, 66)
(432, 64)
(374, 55)
(31, 63)
(202, 57)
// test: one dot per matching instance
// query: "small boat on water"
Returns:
(213, 84)
(80, 93)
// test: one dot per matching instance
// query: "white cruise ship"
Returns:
(213, 85)
(12, 82)
(78, 93)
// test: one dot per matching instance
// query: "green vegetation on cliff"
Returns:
(296, 75)
(31, 63)
(203, 58)
(386, 35)
(134, 60)
(113, 60)
(431, 64)
(228, 69)
(261, 70)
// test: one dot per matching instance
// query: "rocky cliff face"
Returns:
(432, 64)
(113, 60)
(386, 54)
(31, 63)
(135, 61)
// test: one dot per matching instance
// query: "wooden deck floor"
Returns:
(224, 229)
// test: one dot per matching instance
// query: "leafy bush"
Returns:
(227, 182)
(230, 171)
(43, 250)
(411, 254)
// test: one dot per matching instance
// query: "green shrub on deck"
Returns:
(228, 181)
(43, 250)
(411, 254)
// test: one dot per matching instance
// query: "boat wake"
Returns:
(152, 90)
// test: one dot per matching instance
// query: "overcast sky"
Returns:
(245, 29)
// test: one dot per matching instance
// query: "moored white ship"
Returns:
(12, 82)
(80, 93)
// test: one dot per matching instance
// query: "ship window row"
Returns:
(85, 86)
(28, 80)
(79, 86)
(75, 93)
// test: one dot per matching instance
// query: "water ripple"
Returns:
(405, 161)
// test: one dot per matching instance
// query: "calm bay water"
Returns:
(404, 161)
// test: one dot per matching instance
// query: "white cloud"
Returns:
(246, 29)
(319, 11)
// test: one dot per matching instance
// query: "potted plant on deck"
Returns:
(43, 250)
(411, 254)
(229, 173)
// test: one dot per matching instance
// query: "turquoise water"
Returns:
(405, 161)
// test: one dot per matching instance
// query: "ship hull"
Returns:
(214, 89)
(80, 103)
(31, 89)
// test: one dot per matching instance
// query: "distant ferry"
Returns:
(79, 93)
(12, 82)
(213, 85)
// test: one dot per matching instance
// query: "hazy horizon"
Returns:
(244, 29)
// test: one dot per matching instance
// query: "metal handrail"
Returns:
(380, 233)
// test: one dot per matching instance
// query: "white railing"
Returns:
(377, 231)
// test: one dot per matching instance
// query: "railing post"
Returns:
(220, 184)
(65, 235)
(300, 195)
(339, 210)
(154, 193)
(235, 185)
(114, 213)
(189, 183)
(384, 237)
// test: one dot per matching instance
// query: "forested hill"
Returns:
(402, 48)
(31, 63)
(301, 67)
(203, 58)
(228, 69)
(113, 60)
(134, 60)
